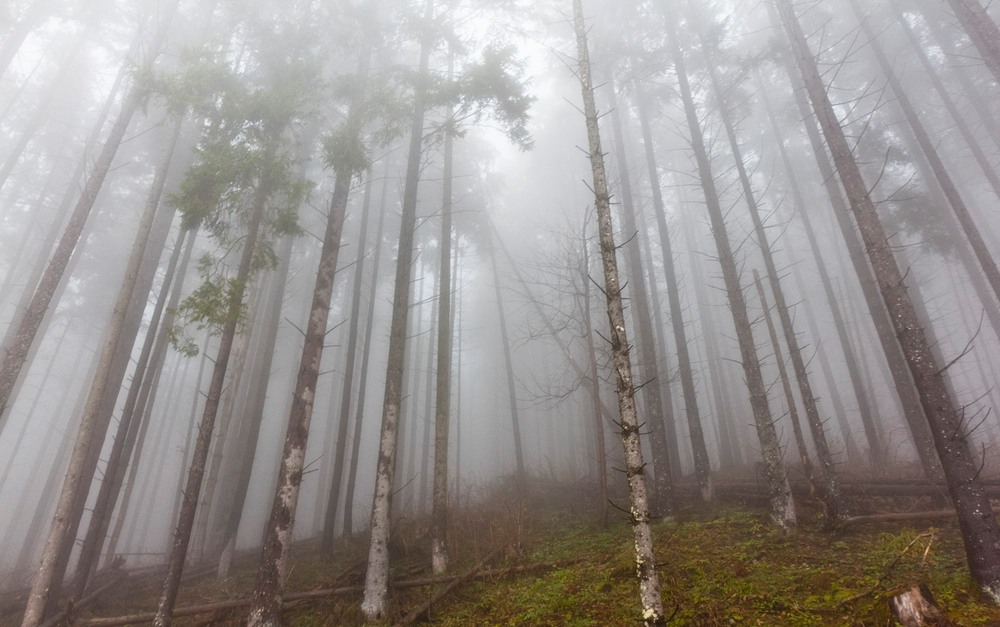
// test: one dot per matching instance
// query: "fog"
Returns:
(155, 132)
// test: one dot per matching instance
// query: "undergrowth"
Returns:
(727, 567)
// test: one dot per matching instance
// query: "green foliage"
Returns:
(490, 88)
(211, 305)
(344, 150)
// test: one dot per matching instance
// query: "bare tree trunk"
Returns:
(509, 367)
(233, 501)
(594, 380)
(147, 392)
(958, 69)
(423, 417)
(782, 504)
(786, 387)
(982, 30)
(46, 275)
(344, 421)
(853, 454)
(659, 415)
(442, 396)
(32, 17)
(29, 129)
(831, 490)
(48, 494)
(359, 413)
(940, 172)
(124, 440)
(375, 604)
(265, 607)
(975, 516)
(730, 452)
(456, 310)
(946, 98)
(872, 434)
(902, 381)
(702, 464)
(646, 569)
(239, 363)
(192, 490)
(92, 428)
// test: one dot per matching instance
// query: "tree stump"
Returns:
(915, 607)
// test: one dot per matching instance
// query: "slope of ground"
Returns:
(727, 567)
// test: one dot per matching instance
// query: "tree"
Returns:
(702, 464)
(660, 414)
(982, 30)
(242, 168)
(347, 157)
(487, 87)
(975, 516)
(646, 569)
(780, 494)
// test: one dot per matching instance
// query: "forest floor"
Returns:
(724, 567)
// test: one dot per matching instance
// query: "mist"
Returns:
(325, 274)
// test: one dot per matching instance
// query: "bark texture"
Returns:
(646, 570)
(975, 516)
(375, 603)
(775, 475)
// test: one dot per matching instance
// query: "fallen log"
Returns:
(915, 607)
(424, 607)
(86, 600)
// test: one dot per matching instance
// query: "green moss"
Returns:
(730, 569)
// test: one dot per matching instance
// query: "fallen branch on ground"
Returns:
(424, 607)
(115, 576)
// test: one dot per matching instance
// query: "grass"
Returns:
(729, 567)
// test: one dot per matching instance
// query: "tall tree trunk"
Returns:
(423, 417)
(902, 381)
(442, 392)
(231, 506)
(646, 569)
(730, 451)
(192, 490)
(702, 464)
(29, 129)
(982, 30)
(375, 603)
(831, 489)
(124, 440)
(786, 387)
(143, 405)
(48, 494)
(344, 414)
(94, 423)
(780, 493)
(949, 102)
(265, 608)
(975, 516)
(594, 380)
(31, 19)
(937, 167)
(957, 68)
(659, 415)
(359, 413)
(875, 446)
(508, 361)
(22, 329)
